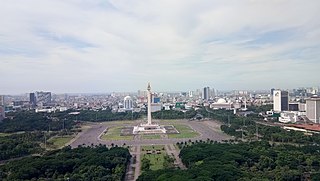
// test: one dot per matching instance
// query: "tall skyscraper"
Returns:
(127, 102)
(2, 113)
(206, 93)
(212, 92)
(272, 90)
(1, 100)
(280, 100)
(313, 109)
(2, 108)
(32, 99)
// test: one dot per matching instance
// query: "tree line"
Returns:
(18, 145)
(82, 163)
(243, 161)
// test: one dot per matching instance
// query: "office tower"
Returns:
(206, 93)
(2, 112)
(313, 109)
(190, 93)
(127, 102)
(272, 90)
(213, 93)
(43, 97)
(1, 100)
(32, 99)
(280, 100)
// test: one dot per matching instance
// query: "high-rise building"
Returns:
(2, 108)
(280, 100)
(43, 98)
(213, 93)
(272, 90)
(206, 93)
(313, 109)
(190, 93)
(127, 103)
(2, 112)
(32, 99)
(1, 100)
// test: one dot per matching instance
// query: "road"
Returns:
(208, 129)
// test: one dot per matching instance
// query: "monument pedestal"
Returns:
(149, 129)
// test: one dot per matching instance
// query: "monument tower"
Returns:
(149, 104)
(149, 128)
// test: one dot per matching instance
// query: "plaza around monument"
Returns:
(150, 127)
(152, 139)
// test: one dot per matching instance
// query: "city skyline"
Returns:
(118, 46)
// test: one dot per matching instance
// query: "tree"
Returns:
(145, 164)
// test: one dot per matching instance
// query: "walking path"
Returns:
(206, 129)
(172, 151)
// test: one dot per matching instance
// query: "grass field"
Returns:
(184, 132)
(4, 134)
(156, 160)
(151, 136)
(58, 142)
(153, 147)
(119, 122)
(172, 121)
(113, 133)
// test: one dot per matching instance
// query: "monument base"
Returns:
(149, 129)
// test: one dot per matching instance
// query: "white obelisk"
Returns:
(149, 104)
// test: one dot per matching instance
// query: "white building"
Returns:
(127, 103)
(280, 100)
(156, 107)
(313, 109)
(287, 117)
(221, 104)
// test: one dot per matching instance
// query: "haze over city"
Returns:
(104, 46)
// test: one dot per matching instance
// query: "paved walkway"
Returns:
(92, 136)
(137, 165)
(206, 129)
(172, 151)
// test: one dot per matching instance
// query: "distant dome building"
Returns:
(221, 101)
(127, 103)
(221, 104)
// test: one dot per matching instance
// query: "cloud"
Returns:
(119, 45)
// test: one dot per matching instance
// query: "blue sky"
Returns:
(120, 45)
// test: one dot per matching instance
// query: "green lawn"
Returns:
(4, 134)
(170, 122)
(184, 132)
(58, 142)
(113, 133)
(121, 122)
(153, 147)
(156, 160)
(151, 136)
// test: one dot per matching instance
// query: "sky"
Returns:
(91, 46)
